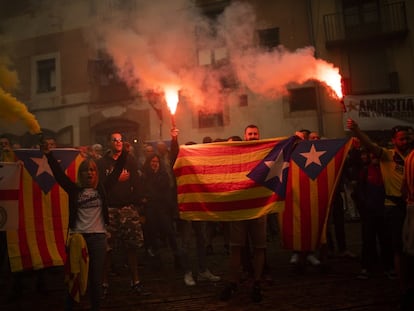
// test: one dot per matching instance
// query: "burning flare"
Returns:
(171, 97)
(331, 77)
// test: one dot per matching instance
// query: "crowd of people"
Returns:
(125, 200)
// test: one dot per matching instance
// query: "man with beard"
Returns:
(255, 229)
(392, 170)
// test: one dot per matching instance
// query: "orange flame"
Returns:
(331, 77)
(171, 97)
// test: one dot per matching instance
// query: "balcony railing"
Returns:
(389, 22)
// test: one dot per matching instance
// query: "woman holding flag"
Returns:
(88, 217)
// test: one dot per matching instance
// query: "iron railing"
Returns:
(389, 21)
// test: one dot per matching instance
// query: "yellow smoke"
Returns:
(11, 109)
(8, 79)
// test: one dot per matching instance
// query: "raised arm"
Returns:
(365, 140)
(174, 148)
(61, 178)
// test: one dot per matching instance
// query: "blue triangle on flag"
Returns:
(312, 156)
(272, 171)
(36, 164)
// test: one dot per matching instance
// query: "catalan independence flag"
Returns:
(314, 172)
(9, 195)
(212, 181)
(39, 241)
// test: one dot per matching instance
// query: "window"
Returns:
(268, 38)
(216, 56)
(46, 75)
(301, 99)
(212, 8)
(210, 119)
(361, 12)
(366, 76)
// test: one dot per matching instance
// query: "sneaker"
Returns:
(105, 290)
(313, 260)
(139, 289)
(150, 252)
(256, 293)
(228, 291)
(208, 276)
(391, 275)
(294, 259)
(188, 279)
(363, 275)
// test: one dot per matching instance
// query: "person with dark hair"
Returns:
(234, 138)
(88, 216)
(371, 195)
(158, 208)
(207, 139)
(124, 228)
(6, 151)
(256, 230)
(304, 134)
(392, 170)
(299, 258)
(196, 229)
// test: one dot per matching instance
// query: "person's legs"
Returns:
(96, 248)
(185, 231)
(238, 231)
(110, 241)
(211, 227)
(225, 226)
(257, 230)
(338, 217)
(199, 228)
(131, 236)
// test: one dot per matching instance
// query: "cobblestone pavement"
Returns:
(334, 289)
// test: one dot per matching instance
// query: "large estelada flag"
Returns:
(243, 180)
(212, 181)
(40, 239)
(9, 195)
(314, 172)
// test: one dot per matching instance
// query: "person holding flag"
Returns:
(256, 229)
(88, 217)
(392, 169)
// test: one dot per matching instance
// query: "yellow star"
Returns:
(312, 156)
(42, 166)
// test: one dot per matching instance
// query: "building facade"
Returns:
(75, 88)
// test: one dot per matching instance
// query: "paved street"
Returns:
(335, 289)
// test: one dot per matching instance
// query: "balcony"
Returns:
(385, 23)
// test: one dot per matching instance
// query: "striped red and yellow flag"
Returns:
(212, 181)
(40, 239)
(409, 176)
(314, 173)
